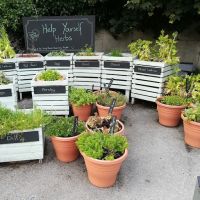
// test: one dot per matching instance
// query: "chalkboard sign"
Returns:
(50, 89)
(5, 93)
(7, 66)
(68, 33)
(87, 63)
(58, 63)
(123, 65)
(20, 137)
(147, 70)
(30, 65)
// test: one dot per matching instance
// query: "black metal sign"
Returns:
(87, 63)
(115, 64)
(30, 65)
(58, 63)
(50, 90)
(147, 70)
(5, 92)
(7, 66)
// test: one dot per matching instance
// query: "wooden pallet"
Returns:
(51, 96)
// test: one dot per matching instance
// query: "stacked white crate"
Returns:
(62, 64)
(87, 71)
(27, 68)
(8, 67)
(51, 96)
(120, 70)
(148, 79)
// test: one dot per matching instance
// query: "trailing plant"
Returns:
(102, 124)
(193, 114)
(6, 51)
(102, 146)
(3, 79)
(57, 53)
(115, 53)
(87, 51)
(81, 97)
(105, 98)
(63, 127)
(49, 75)
(18, 120)
(174, 100)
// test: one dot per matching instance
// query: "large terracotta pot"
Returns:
(169, 115)
(103, 173)
(191, 132)
(103, 110)
(65, 148)
(121, 132)
(83, 112)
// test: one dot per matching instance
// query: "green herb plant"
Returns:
(57, 53)
(105, 98)
(49, 75)
(115, 53)
(87, 51)
(81, 97)
(62, 127)
(102, 146)
(193, 114)
(174, 100)
(6, 51)
(3, 79)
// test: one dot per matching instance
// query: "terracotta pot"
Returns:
(103, 173)
(191, 132)
(169, 115)
(121, 132)
(103, 110)
(65, 148)
(83, 112)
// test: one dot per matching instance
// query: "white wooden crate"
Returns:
(63, 64)
(27, 68)
(87, 71)
(18, 146)
(148, 79)
(120, 70)
(51, 96)
(8, 95)
(8, 67)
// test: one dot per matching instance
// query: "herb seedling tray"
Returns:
(51, 96)
(22, 145)
(63, 64)
(148, 79)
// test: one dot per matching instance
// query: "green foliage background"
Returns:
(116, 16)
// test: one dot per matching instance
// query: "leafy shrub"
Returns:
(57, 53)
(87, 51)
(49, 75)
(193, 114)
(18, 120)
(105, 98)
(3, 79)
(102, 146)
(81, 97)
(62, 127)
(174, 100)
(116, 53)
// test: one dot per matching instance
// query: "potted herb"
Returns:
(64, 133)
(156, 61)
(103, 155)
(82, 101)
(50, 92)
(8, 96)
(60, 61)
(169, 109)
(21, 135)
(105, 99)
(191, 123)
(118, 66)
(87, 69)
(104, 125)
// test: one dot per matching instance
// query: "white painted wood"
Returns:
(38, 57)
(117, 72)
(121, 87)
(117, 82)
(23, 151)
(98, 56)
(149, 63)
(147, 98)
(146, 88)
(124, 57)
(58, 112)
(83, 79)
(117, 77)
(69, 57)
(149, 78)
(146, 93)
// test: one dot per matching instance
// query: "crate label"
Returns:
(50, 90)
(87, 63)
(20, 137)
(5, 92)
(147, 70)
(30, 64)
(115, 64)
(58, 63)
(7, 66)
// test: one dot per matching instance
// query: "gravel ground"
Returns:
(159, 167)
